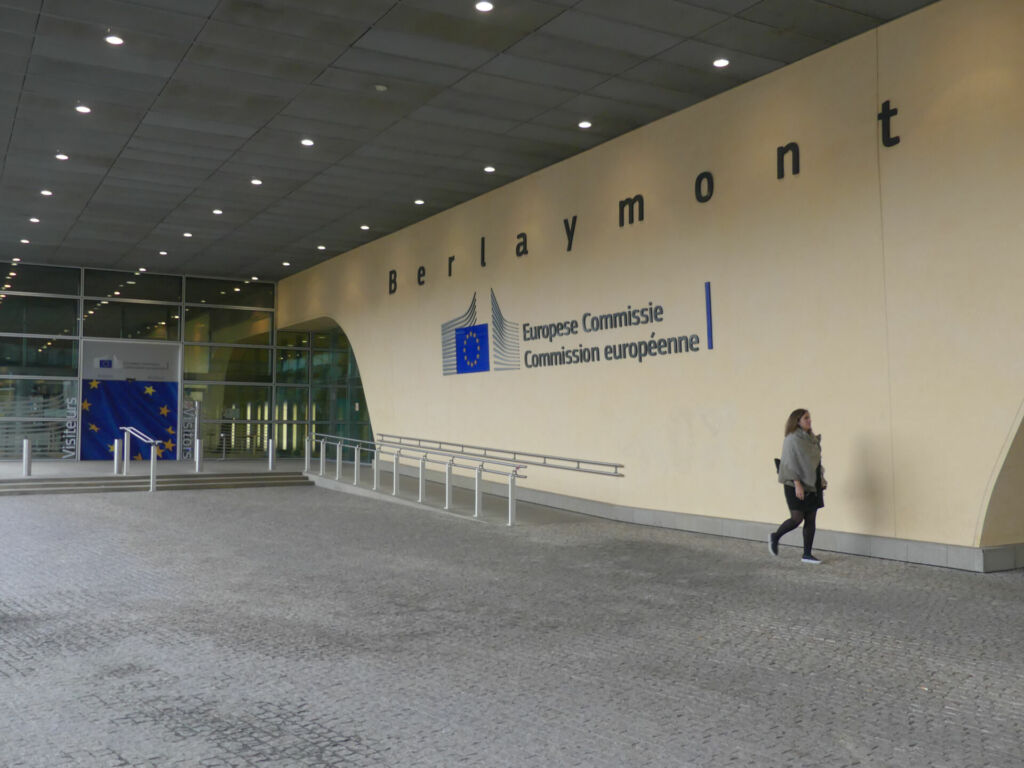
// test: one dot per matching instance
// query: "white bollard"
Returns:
(394, 477)
(355, 472)
(376, 468)
(152, 467)
(511, 499)
(323, 457)
(309, 453)
(477, 492)
(448, 484)
(423, 469)
(270, 455)
(337, 461)
(127, 452)
(118, 448)
(26, 457)
(199, 454)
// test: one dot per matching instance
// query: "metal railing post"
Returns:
(199, 455)
(323, 457)
(26, 457)
(423, 469)
(355, 473)
(127, 451)
(117, 456)
(511, 498)
(394, 478)
(337, 462)
(270, 455)
(152, 467)
(376, 468)
(308, 452)
(448, 484)
(477, 492)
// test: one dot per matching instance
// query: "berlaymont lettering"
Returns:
(630, 210)
(857, 217)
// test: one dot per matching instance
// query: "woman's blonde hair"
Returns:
(793, 422)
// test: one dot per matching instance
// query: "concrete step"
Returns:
(180, 482)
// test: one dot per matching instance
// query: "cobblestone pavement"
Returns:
(304, 627)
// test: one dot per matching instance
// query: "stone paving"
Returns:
(305, 627)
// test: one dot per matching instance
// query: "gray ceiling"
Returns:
(204, 95)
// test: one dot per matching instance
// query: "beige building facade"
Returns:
(844, 234)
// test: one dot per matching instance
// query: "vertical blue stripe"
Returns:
(711, 334)
(707, 303)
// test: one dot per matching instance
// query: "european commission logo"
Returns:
(471, 347)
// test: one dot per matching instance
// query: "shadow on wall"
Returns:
(870, 491)
(1004, 518)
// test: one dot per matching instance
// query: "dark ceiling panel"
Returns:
(668, 16)
(17, 21)
(382, 67)
(428, 49)
(594, 30)
(541, 73)
(124, 17)
(762, 40)
(810, 18)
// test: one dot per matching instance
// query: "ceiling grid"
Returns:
(405, 100)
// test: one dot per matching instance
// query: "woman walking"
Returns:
(803, 481)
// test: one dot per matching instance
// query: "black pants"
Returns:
(805, 511)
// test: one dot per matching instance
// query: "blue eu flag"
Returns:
(150, 406)
(472, 351)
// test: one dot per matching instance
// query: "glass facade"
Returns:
(251, 383)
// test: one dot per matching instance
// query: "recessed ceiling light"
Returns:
(15, 260)
(307, 142)
(45, 192)
(34, 220)
(489, 169)
(186, 234)
(321, 247)
(238, 290)
(217, 211)
(364, 227)
(584, 124)
(61, 156)
(484, 7)
(254, 278)
(417, 202)
(24, 241)
(380, 87)
(256, 182)
(721, 63)
(163, 253)
(286, 263)
(142, 269)
(83, 109)
(113, 39)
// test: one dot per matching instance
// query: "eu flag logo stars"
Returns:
(473, 352)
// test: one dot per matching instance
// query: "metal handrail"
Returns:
(141, 435)
(449, 459)
(129, 433)
(528, 458)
